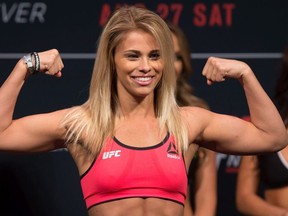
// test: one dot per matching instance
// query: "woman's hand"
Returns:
(51, 62)
(218, 69)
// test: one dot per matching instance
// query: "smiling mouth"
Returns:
(143, 79)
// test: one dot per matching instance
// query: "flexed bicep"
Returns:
(34, 133)
(233, 135)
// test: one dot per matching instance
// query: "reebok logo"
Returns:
(172, 151)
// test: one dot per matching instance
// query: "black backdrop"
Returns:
(252, 31)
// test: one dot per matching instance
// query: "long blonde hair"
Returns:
(93, 122)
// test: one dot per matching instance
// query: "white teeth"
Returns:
(143, 79)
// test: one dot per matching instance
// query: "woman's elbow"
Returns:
(280, 142)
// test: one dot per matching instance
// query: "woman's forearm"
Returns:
(9, 92)
(263, 113)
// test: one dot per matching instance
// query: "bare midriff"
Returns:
(139, 207)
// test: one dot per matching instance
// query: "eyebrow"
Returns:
(138, 52)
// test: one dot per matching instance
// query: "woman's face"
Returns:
(178, 63)
(138, 64)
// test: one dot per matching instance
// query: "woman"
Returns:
(268, 170)
(202, 171)
(127, 139)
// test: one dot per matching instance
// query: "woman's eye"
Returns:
(132, 56)
(155, 56)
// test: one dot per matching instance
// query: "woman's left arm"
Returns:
(265, 132)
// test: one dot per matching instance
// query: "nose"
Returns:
(144, 65)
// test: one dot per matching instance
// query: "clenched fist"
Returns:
(218, 69)
(51, 62)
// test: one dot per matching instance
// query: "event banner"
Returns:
(233, 26)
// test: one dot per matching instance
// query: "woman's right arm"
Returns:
(16, 135)
(247, 200)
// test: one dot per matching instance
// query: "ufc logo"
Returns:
(111, 154)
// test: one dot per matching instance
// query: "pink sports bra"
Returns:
(122, 171)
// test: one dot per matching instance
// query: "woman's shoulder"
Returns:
(196, 118)
(61, 113)
(193, 111)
